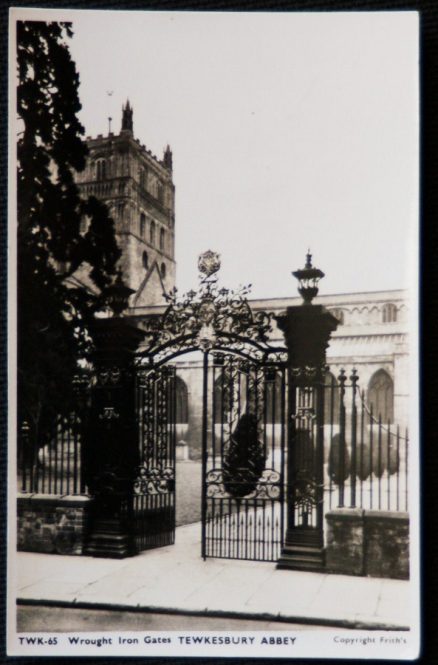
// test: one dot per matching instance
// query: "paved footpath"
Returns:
(175, 580)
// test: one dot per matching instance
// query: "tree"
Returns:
(53, 314)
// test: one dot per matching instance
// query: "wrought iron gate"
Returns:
(243, 478)
(154, 486)
(243, 439)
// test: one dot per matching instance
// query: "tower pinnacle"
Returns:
(167, 158)
(127, 124)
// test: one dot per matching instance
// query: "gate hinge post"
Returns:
(111, 438)
(307, 329)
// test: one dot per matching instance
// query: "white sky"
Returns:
(288, 130)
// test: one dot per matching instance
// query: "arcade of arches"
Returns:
(378, 398)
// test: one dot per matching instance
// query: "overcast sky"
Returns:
(288, 131)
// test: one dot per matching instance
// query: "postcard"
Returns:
(213, 329)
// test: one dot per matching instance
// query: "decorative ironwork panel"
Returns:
(210, 318)
(244, 471)
(154, 484)
(305, 490)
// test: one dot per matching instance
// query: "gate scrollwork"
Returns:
(268, 486)
(156, 480)
(210, 317)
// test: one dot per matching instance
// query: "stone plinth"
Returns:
(182, 451)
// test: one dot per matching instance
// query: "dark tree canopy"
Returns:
(53, 312)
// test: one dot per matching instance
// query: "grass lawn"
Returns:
(188, 492)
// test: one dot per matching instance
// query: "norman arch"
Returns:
(380, 397)
(389, 313)
(181, 402)
(273, 399)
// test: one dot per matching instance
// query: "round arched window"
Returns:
(142, 225)
(381, 396)
(389, 313)
(145, 260)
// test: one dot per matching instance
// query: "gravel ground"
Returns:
(188, 492)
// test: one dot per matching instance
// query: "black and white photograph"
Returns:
(213, 334)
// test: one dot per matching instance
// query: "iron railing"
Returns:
(52, 465)
(50, 460)
(366, 455)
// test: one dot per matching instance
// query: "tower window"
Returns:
(152, 233)
(100, 169)
(163, 270)
(389, 313)
(160, 192)
(161, 239)
(145, 260)
(142, 225)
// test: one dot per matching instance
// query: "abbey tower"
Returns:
(138, 189)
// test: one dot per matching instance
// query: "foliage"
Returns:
(339, 460)
(244, 460)
(54, 311)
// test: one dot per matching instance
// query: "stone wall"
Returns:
(52, 524)
(386, 541)
(345, 541)
(366, 542)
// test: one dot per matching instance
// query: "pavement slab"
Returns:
(286, 589)
(175, 580)
(336, 596)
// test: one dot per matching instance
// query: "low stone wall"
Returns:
(366, 542)
(345, 541)
(51, 523)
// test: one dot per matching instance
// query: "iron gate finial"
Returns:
(209, 263)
